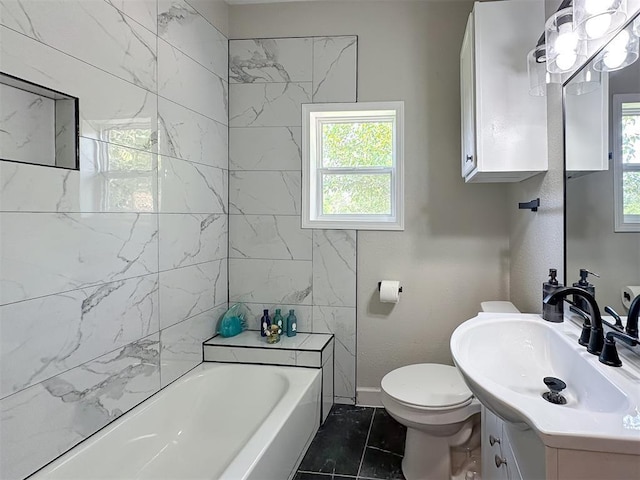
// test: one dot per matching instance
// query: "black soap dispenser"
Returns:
(552, 313)
(584, 284)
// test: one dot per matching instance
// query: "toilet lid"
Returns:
(427, 385)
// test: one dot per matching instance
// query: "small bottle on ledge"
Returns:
(265, 323)
(292, 324)
(278, 320)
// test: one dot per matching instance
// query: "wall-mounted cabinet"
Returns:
(504, 129)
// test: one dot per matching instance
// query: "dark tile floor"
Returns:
(355, 443)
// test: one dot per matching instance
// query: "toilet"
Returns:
(437, 408)
(439, 411)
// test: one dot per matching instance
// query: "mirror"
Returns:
(602, 169)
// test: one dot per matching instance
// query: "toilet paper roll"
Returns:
(389, 291)
(628, 294)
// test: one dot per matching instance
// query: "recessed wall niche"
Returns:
(37, 125)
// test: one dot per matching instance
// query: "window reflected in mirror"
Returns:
(628, 187)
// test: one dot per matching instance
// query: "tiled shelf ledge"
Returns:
(309, 350)
(303, 350)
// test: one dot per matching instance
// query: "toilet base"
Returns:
(426, 457)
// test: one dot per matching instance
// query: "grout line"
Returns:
(191, 109)
(158, 199)
(263, 170)
(141, 87)
(385, 451)
(82, 287)
(366, 442)
(191, 162)
(191, 58)
(222, 124)
(93, 359)
(135, 20)
(188, 2)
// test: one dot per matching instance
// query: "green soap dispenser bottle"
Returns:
(584, 284)
(292, 324)
(552, 313)
(277, 319)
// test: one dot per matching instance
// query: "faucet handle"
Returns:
(609, 355)
(615, 315)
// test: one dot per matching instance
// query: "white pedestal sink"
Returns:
(504, 358)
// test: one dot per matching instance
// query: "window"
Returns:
(626, 157)
(352, 174)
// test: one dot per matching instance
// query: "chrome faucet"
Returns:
(596, 338)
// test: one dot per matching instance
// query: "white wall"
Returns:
(454, 251)
(112, 276)
(536, 239)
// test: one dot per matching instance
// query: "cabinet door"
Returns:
(498, 459)
(491, 446)
(467, 92)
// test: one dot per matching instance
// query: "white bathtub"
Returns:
(220, 421)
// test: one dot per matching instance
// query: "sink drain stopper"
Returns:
(555, 386)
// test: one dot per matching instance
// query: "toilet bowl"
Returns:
(439, 411)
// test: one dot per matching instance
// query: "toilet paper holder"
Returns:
(380, 283)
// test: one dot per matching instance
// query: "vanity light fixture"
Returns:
(597, 18)
(539, 77)
(619, 53)
(565, 49)
(587, 80)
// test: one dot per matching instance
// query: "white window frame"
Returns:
(313, 117)
(623, 223)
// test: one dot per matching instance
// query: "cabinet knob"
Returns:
(493, 440)
(500, 461)
(469, 158)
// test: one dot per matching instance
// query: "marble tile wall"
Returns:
(272, 261)
(27, 126)
(111, 276)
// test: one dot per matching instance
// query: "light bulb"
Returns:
(547, 77)
(567, 40)
(588, 76)
(613, 59)
(616, 52)
(565, 61)
(594, 7)
(597, 26)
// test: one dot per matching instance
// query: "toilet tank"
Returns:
(498, 307)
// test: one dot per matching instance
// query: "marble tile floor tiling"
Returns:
(355, 443)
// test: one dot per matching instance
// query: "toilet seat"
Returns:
(439, 411)
(427, 386)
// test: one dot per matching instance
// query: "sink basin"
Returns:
(504, 358)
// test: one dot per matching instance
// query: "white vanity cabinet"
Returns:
(498, 460)
(504, 129)
(513, 453)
